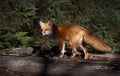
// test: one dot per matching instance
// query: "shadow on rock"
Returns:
(53, 52)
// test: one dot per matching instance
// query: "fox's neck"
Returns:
(54, 30)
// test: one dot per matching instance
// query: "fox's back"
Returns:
(66, 31)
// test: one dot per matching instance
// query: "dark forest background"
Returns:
(19, 19)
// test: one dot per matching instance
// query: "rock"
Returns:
(23, 51)
(17, 51)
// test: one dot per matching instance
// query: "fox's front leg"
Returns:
(62, 48)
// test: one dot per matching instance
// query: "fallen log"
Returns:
(106, 56)
(46, 65)
(43, 66)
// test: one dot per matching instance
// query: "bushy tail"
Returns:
(96, 43)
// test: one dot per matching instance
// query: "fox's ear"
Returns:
(41, 23)
(49, 23)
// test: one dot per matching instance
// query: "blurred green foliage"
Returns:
(101, 17)
(16, 23)
(11, 40)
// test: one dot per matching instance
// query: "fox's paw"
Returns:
(61, 55)
(72, 56)
(86, 57)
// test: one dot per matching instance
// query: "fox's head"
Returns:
(46, 28)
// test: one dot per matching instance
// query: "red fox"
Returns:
(75, 34)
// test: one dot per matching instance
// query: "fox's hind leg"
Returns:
(74, 51)
(82, 45)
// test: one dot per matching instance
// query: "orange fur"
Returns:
(74, 34)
